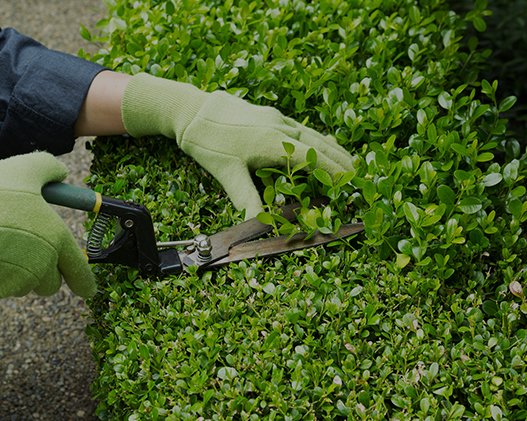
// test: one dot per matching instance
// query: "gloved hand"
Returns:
(36, 246)
(226, 135)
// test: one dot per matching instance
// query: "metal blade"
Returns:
(223, 241)
(279, 245)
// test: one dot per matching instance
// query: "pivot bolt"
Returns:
(203, 247)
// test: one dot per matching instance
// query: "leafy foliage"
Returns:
(422, 317)
(505, 36)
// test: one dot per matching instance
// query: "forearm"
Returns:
(41, 94)
(101, 111)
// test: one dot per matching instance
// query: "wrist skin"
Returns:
(101, 111)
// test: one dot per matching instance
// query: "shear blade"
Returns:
(222, 242)
(280, 245)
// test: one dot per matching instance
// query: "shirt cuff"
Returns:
(45, 103)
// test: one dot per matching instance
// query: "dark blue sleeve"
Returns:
(41, 94)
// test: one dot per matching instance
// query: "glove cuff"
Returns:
(153, 105)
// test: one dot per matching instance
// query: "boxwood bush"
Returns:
(423, 316)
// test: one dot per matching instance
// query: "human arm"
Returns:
(100, 114)
(226, 135)
(41, 94)
(57, 97)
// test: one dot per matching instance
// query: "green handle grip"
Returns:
(72, 196)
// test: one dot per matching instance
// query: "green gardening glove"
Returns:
(226, 135)
(36, 246)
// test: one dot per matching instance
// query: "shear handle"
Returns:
(135, 244)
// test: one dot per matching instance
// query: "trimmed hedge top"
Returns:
(422, 316)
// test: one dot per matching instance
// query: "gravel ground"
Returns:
(46, 366)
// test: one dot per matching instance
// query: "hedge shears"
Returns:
(134, 243)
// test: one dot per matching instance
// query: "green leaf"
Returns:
(411, 212)
(170, 8)
(405, 247)
(269, 288)
(470, 205)
(459, 149)
(269, 195)
(344, 178)
(289, 148)
(265, 218)
(402, 260)
(323, 176)
(85, 33)
(445, 391)
(507, 103)
(369, 191)
(479, 24)
(445, 100)
(311, 157)
(227, 373)
(446, 194)
(413, 51)
(485, 157)
(496, 413)
(492, 179)
(356, 291)
(487, 89)
(510, 172)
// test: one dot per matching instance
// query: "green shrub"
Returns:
(421, 317)
(505, 36)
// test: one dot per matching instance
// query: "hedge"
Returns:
(423, 316)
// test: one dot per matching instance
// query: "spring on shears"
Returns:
(98, 231)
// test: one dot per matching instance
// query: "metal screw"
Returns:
(203, 247)
(129, 223)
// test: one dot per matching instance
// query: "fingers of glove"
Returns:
(235, 178)
(75, 269)
(240, 188)
(325, 145)
(50, 282)
(30, 172)
(224, 108)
